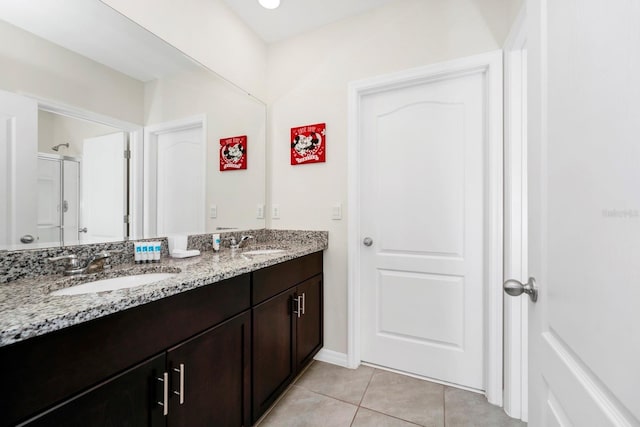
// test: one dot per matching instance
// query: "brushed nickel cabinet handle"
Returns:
(297, 306)
(165, 393)
(304, 302)
(180, 393)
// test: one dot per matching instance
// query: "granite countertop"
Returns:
(27, 310)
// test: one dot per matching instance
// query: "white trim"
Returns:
(63, 109)
(515, 259)
(333, 357)
(489, 64)
(150, 168)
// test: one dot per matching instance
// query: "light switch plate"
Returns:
(213, 211)
(275, 212)
(260, 211)
(336, 211)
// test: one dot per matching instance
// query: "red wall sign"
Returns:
(308, 144)
(233, 153)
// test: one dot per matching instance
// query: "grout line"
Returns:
(353, 420)
(444, 407)
(373, 371)
(393, 416)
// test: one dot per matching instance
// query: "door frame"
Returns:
(490, 65)
(516, 317)
(134, 180)
(150, 167)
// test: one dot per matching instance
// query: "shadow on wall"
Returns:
(496, 13)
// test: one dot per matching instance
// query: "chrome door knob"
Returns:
(27, 238)
(367, 241)
(516, 288)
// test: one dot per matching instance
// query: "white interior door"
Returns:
(180, 181)
(422, 204)
(103, 182)
(584, 210)
(18, 170)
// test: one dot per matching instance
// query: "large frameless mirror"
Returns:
(108, 133)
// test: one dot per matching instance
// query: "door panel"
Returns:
(583, 209)
(273, 357)
(422, 203)
(18, 170)
(216, 367)
(433, 316)
(180, 182)
(103, 185)
(419, 146)
(129, 399)
(309, 324)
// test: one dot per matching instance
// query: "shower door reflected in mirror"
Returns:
(58, 200)
(81, 181)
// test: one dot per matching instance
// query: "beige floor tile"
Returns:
(302, 408)
(410, 399)
(367, 418)
(334, 381)
(466, 409)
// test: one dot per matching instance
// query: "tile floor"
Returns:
(330, 396)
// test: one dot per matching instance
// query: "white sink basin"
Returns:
(263, 251)
(114, 283)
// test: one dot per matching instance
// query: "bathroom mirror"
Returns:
(109, 133)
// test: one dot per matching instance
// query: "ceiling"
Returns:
(295, 17)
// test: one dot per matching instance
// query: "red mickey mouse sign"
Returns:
(233, 153)
(308, 144)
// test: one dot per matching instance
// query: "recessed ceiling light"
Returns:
(269, 4)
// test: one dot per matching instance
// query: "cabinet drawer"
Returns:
(270, 281)
(47, 369)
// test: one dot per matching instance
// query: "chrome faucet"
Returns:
(244, 241)
(72, 264)
(234, 244)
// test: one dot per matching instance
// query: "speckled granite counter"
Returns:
(27, 310)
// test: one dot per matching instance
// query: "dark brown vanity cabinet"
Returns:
(210, 384)
(128, 399)
(110, 371)
(287, 311)
(217, 355)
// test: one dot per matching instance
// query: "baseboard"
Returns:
(333, 357)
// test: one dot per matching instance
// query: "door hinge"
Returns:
(127, 154)
(126, 219)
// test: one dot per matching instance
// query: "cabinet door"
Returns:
(129, 399)
(216, 387)
(273, 363)
(310, 323)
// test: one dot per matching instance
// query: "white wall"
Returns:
(229, 112)
(207, 30)
(307, 79)
(30, 65)
(54, 129)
